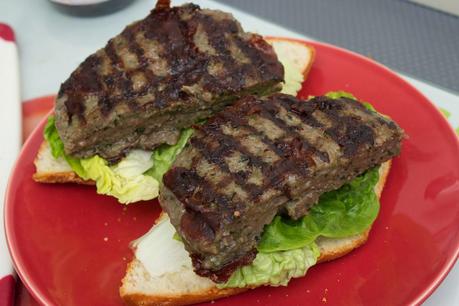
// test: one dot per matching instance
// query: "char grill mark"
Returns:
(180, 60)
(85, 79)
(269, 112)
(229, 144)
(194, 191)
(317, 146)
(360, 134)
(217, 157)
(118, 81)
(142, 71)
(295, 155)
(200, 222)
(184, 61)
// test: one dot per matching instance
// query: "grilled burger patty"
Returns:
(159, 75)
(261, 157)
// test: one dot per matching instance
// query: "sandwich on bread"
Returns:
(124, 113)
(261, 192)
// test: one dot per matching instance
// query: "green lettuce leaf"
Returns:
(125, 181)
(344, 94)
(445, 112)
(135, 178)
(275, 269)
(340, 213)
(75, 164)
(52, 137)
(57, 147)
(165, 155)
(340, 94)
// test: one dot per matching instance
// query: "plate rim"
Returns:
(8, 228)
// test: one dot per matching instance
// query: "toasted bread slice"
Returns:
(51, 170)
(302, 55)
(185, 287)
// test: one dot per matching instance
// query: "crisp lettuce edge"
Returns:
(110, 180)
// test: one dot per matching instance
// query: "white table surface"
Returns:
(52, 44)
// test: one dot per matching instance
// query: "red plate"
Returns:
(70, 245)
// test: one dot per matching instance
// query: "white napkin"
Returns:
(10, 134)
